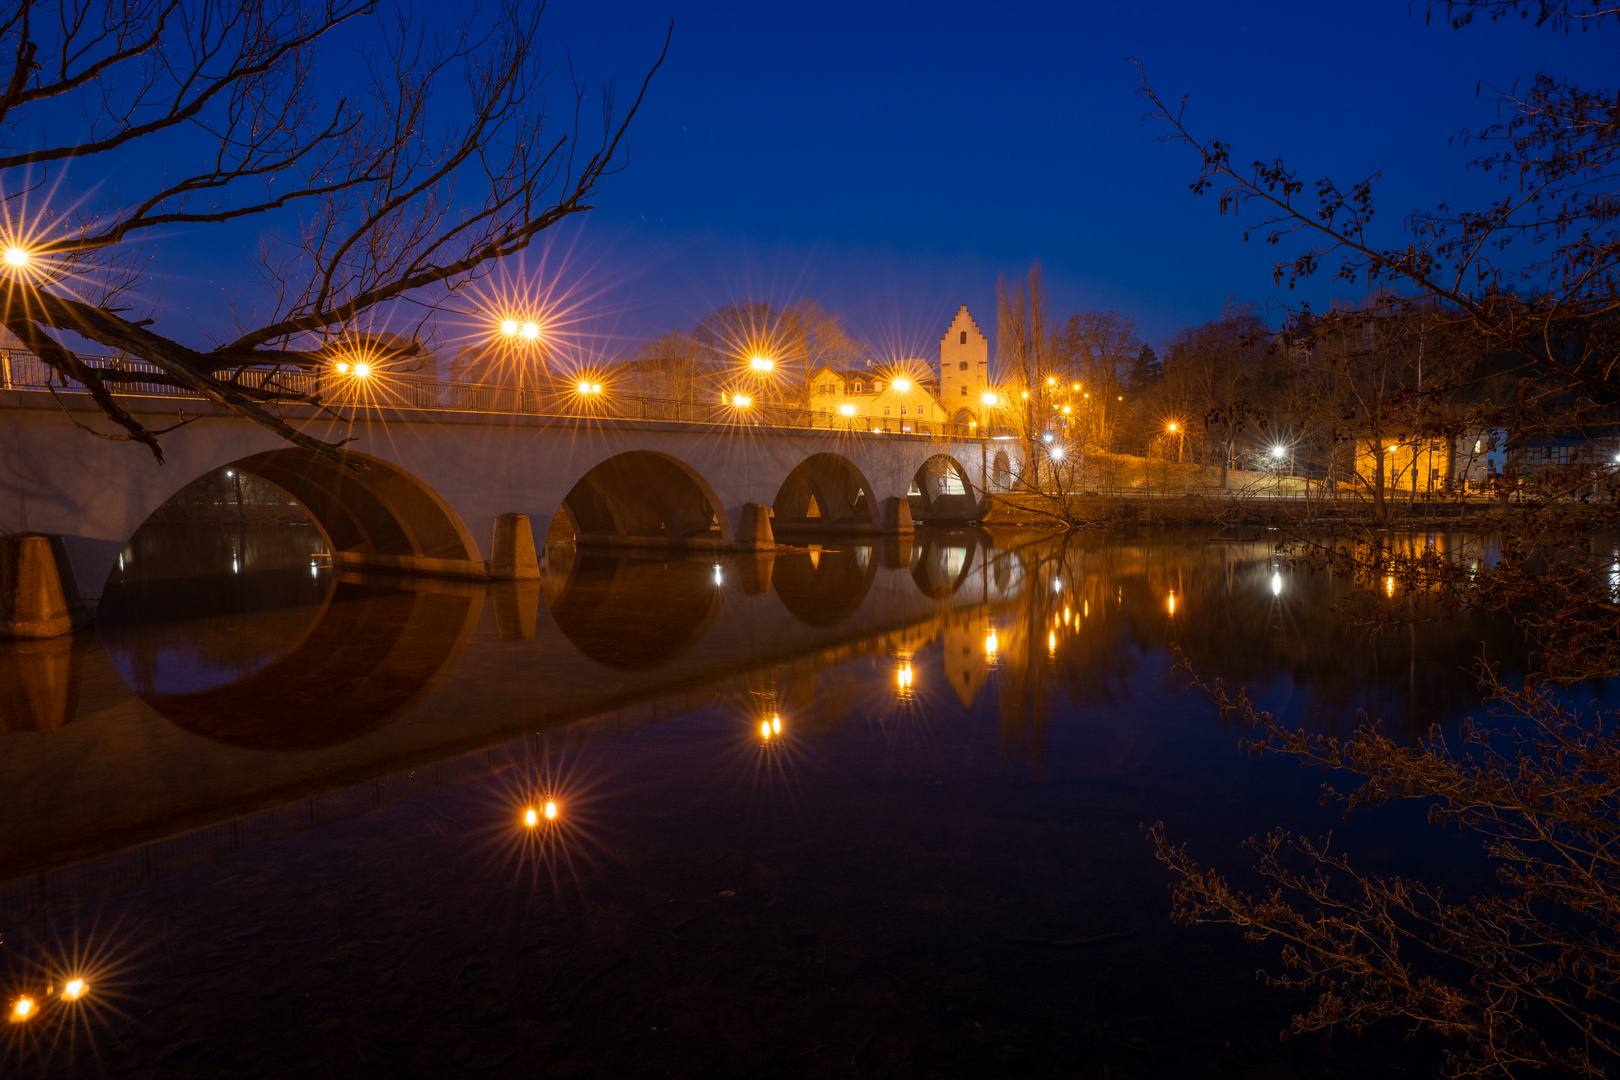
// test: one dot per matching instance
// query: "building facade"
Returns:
(964, 366)
(903, 400)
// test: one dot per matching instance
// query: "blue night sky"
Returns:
(891, 161)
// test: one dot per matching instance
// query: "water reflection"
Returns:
(273, 658)
(634, 614)
(824, 586)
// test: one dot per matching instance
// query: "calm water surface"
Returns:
(861, 809)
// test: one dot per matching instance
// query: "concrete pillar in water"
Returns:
(754, 528)
(38, 597)
(897, 516)
(512, 551)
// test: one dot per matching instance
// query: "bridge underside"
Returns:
(644, 499)
(373, 513)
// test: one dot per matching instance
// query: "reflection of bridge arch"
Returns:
(371, 652)
(947, 493)
(823, 588)
(374, 515)
(941, 567)
(829, 485)
(644, 497)
(634, 615)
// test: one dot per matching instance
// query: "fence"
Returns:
(23, 371)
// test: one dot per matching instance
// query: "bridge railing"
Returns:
(24, 371)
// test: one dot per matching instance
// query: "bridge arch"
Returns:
(1001, 477)
(825, 489)
(944, 491)
(372, 512)
(644, 497)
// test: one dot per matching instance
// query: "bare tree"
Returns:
(373, 196)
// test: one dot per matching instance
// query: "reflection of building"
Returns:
(966, 656)
(964, 365)
(875, 401)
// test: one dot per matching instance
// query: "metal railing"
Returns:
(24, 371)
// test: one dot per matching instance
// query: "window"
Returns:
(857, 388)
(1479, 444)
(964, 391)
(964, 365)
(902, 410)
(964, 337)
(886, 410)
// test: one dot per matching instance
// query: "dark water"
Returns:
(274, 814)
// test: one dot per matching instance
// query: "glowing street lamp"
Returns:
(1279, 452)
(902, 384)
(75, 989)
(509, 327)
(846, 410)
(23, 1009)
(587, 388)
(989, 398)
(362, 371)
(18, 257)
(741, 401)
(763, 365)
(550, 810)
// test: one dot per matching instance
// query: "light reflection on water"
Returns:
(942, 701)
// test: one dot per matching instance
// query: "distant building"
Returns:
(499, 363)
(903, 400)
(964, 366)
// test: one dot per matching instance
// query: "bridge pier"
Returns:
(38, 596)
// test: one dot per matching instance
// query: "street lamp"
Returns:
(18, 257)
(902, 384)
(762, 364)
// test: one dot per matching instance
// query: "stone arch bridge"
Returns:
(438, 488)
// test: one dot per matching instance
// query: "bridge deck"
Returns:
(23, 371)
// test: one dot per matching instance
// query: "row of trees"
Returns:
(1501, 317)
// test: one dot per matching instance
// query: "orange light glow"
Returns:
(362, 371)
(341, 368)
(1389, 586)
(846, 410)
(765, 729)
(1051, 643)
(989, 399)
(902, 385)
(75, 989)
(530, 818)
(761, 363)
(903, 676)
(509, 327)
(530, 331)
(16, 256)
(23, 1009)
(742, 402)
(1172, 603)
(990, 643)
(1171, 429)
(551, 810)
